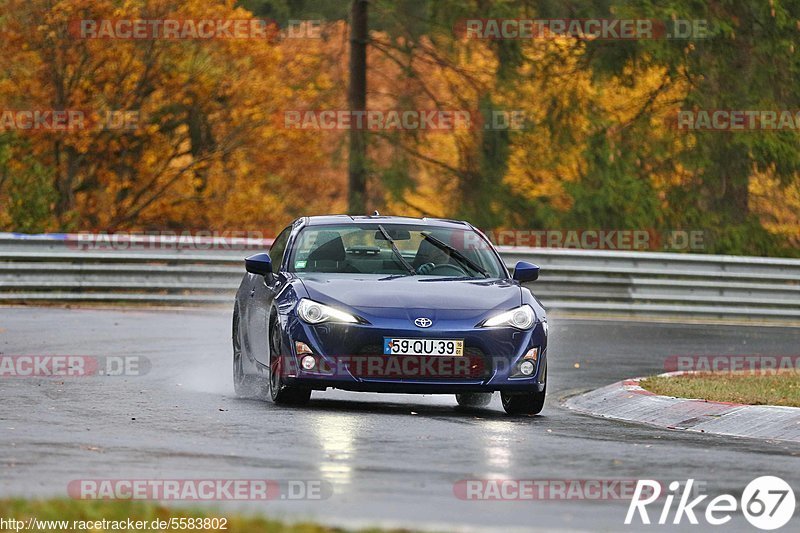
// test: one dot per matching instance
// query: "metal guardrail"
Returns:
(61, 268)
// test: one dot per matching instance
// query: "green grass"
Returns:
(95, 510)
(781, 388)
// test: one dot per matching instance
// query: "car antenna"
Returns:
(376, 214)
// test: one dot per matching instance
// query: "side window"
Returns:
(278, 247)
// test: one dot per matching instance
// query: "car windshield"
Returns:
(408, 250)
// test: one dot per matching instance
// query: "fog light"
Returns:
(526, 367)
(300, 348)
(308, 362)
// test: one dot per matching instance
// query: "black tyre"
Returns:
(244, 384)
(471, 400)
(529, 403)
(280, 392)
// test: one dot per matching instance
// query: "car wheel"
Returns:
(529, 403)
(244, 384)
(474, 399)
(280, 392)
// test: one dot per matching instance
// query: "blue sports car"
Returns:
(388, 304)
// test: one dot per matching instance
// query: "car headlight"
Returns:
(522, 317)
(314, 313)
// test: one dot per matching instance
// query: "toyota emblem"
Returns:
(423, 322)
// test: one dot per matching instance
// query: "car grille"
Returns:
(472, 365)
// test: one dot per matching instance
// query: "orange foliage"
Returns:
(208, 151)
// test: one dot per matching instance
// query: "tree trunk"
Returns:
(357, 99)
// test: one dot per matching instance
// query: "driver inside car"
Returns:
(429, 257)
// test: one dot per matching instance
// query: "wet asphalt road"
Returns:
(388, 459)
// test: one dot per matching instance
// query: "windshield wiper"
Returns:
(463, 259)
(405, 263)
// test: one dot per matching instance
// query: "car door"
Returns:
(261, 295)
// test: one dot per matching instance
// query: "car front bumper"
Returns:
(337, 348)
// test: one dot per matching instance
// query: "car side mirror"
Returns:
(259, 264)
(524, 271)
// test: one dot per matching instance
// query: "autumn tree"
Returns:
(206, 148)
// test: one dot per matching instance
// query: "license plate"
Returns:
(444, 347)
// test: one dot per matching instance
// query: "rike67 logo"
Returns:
(768, 503)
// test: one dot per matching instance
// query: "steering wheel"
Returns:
(430, 268)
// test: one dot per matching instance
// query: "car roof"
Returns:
(349, 219)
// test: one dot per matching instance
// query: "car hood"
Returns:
(400, 295)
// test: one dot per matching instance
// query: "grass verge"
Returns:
(781, 388)
(77, 512)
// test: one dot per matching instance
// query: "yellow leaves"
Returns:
(211, 148)
(778, 206)
(203, 109)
